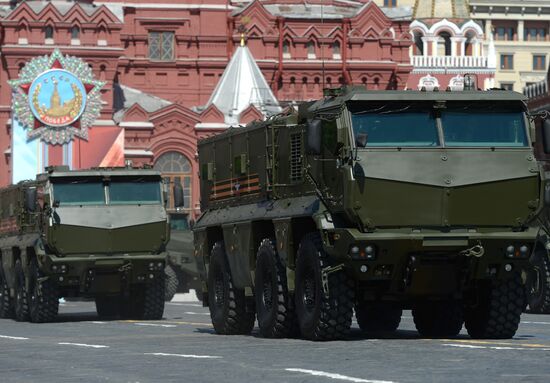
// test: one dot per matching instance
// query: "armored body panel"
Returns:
(96, 233)
(374, 200)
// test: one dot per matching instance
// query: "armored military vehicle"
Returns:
(97, 233)
(373, 201)
(538, 289)
(182, 273)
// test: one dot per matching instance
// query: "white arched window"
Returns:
(176, 169)
(311, 50)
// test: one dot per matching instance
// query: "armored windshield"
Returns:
(134, 192)
(79, 192)
(395, 128)
(415, 124)
(483, 128)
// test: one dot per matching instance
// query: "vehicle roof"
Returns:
(358, 94)
(100, 173)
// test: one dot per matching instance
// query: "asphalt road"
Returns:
(183, 347)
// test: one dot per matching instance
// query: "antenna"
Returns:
(323, 48)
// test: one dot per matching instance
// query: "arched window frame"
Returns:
(175, 167)
(49, 34)
(336, 50)
(311, 50)
(75, 35)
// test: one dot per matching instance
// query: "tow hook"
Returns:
(474, 251)
(125, 268)
(324, 277)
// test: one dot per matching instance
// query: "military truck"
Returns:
(373, 201)
(182, 273)
(98, 233)
(538, 287)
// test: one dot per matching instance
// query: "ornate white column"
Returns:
(521, 28)
(461, 50)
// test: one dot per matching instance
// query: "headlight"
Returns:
(354, 251)
(370, 252)
(510, 251)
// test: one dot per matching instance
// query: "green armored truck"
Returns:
(98, 233)
(538, 287)
(182, 273)
(373, 202)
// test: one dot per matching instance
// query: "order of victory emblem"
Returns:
(56, 98)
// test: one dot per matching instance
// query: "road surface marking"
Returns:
(497, 347)
(463, 345)
(527, 322)
(155, 325)
(185, 304)
(184, 355)
(336, 376)
(176, 322)
(530, 345)
(194, 313)
(83, 345)
(13, 337)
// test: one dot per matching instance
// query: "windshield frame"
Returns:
(437, 107)
(106, 181)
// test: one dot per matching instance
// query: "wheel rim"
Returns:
(309, 290)
(267, 292)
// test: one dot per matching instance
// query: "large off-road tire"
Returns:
(274, 309)
(378, 316)
(21, 297)
(6, 302)
(438, 319)
(108, 306)
(42, 297)
(321, 317)
(153, 299)
(538, 287)
(171, 281)
(227, 304)
(497, 312)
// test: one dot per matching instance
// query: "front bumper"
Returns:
(102, 274)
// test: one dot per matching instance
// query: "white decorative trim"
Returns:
(104, 123)
(429, 82)
(137, 124)
(138, 153)
(212, 125)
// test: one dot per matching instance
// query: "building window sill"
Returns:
(75, 41)
(49, 42)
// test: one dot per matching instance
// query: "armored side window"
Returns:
(329, 136)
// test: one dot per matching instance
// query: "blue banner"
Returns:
(28, 157)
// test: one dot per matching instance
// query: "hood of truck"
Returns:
(107, 229)
(443, 187)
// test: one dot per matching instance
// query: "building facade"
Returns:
(161, 62)
(521, 39)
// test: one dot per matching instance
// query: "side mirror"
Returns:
(361, 140)
(313, 143)
(178, 195)
(546, 136)
(30, 199)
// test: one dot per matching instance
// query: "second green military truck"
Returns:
(98, 233)
(373, 202)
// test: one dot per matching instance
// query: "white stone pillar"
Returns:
(521, 28)
(488, 27)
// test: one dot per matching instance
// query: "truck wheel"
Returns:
(171, 283)
(227, 304)
(378, 316)
(538, 288)
(43, 299)
(153, 299)
(438, 319)
(498, 310)
(321, 317)
(21, 299)
(276, 317)
(107, 307)
(6, 302)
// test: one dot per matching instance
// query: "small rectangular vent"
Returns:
(296, 157)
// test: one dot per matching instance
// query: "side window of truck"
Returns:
(329, 137)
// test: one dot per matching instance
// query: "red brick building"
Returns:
(162, 60)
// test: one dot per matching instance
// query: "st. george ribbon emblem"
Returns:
(56, 98)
